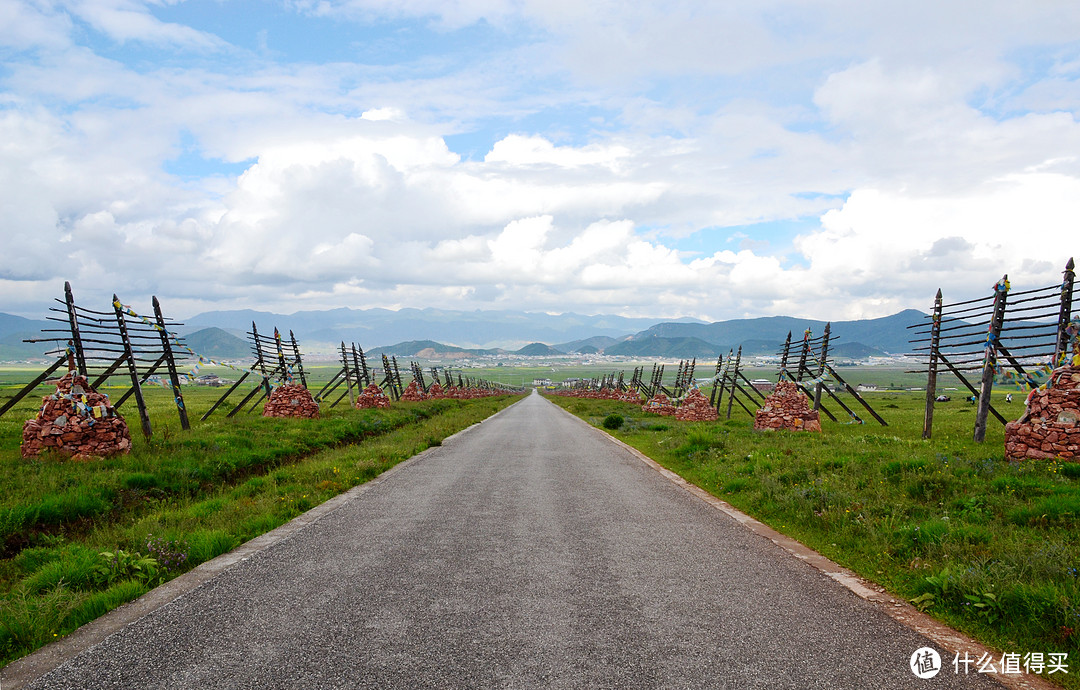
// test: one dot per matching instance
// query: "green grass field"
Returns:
(986, 545)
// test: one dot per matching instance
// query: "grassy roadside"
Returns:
(985, 545)
(81, 538)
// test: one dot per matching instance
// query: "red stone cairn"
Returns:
(76, 421)
(787, 408)
(1050, 425)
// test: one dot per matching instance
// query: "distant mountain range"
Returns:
(222, 334)
(15, 329)
(888, 334)
(372, 328)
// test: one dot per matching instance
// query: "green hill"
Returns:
(537, 350)
(657, 346)
(216, 343)
(587, 346)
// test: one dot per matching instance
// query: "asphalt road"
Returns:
(529, 551)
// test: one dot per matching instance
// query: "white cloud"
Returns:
(130, 20)
(933, 151)
(517, 150)
(377, 114)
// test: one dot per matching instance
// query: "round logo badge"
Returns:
(925, 662)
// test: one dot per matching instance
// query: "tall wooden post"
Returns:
(73, 323)
(931, 376)
(821, 365)
(1065, 313)
(286, 370)
(299, 362)
(170, 363)
(803, 356)
(997, 319)
(783, 357)
(715, 380)
(360, 364)
(260, 361)
(398, 387)
(349, 375)
(133, 371)
(734, 379)
(724, 379)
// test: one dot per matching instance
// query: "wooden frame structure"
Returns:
(104, 344)
(1005, 336)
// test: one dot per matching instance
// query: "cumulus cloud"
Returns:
(611, 138)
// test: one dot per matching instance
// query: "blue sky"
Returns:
(706, 159)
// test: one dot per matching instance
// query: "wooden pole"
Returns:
(144, 418)
(1065, 312)
(73, 323)
(299, 361)
(170, 363)
(931, 374)
(348, 381)
(784, 357)
(803, 356)
(734, 381)
(286, 371)
(821, 365)
(360, 365)
(716, 376)
(260, 362)
(1001, 291)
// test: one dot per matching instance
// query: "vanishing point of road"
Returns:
(529, 551)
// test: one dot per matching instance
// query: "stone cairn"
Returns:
(459, 393)
(413, 393)
(435, 391)
(291, 400)
(372, 397)
(76, 421)
(787, 408)
(659, 404)
(1050, 425)
(629, 396)
(695, 407)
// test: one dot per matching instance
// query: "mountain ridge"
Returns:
(450, 332)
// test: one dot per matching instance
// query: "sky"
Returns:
(826, 159)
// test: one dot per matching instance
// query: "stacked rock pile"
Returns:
(629, 396)
(372, 397)
(76, 421)
(413, 393)
(436, 391)
(787, 408)
(659, 404)
(291, 400)
(695, 407)
(468, 393)
(1050, 425)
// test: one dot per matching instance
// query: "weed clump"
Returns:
(613, 421)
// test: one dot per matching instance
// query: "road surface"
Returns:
(529, 551)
